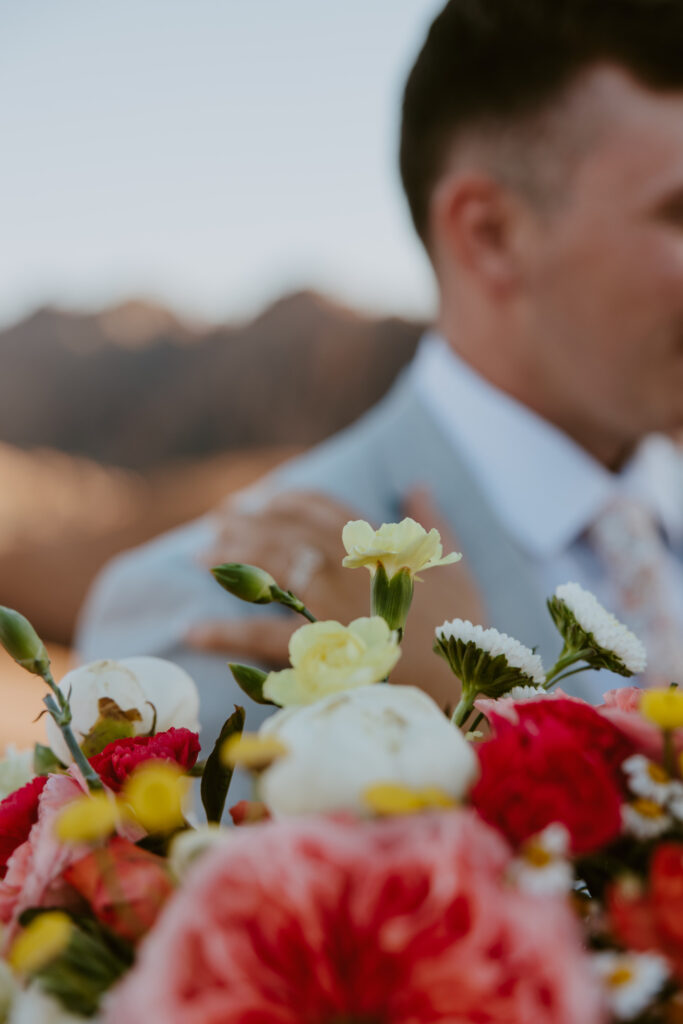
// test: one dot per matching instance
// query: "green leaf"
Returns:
(218, 776)
(251, 681)
(45, 761)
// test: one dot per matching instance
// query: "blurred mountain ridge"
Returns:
(138, 386)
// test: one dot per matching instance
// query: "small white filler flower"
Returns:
(542, 866)
(648, 779)
(630, 981)
(645, 818)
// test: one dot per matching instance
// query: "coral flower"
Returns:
(405, 921)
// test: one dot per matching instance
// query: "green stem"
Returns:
(476, 722)
(61, 713)
(574, 672)
(289, 600)
(669, 752)
(463, 709)
(566, 659)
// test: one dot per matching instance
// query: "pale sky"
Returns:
(210, 154)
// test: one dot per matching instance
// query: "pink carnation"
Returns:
(621, 707)
(407, 921)
(34, 870)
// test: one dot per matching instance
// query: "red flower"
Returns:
(408, 921)
(118, 759)
(125, 886)
(558, 762)
(653, 920)
(18, 815)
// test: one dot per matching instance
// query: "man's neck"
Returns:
(522, 384)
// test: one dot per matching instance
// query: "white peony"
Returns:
(347, 742)
(16, 769)
(138, 685)
(33, 1006)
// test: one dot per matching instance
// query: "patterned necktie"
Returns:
(626, 539)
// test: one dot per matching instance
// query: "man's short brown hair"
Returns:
(492, 63)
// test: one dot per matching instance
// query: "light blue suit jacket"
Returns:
(146, 599)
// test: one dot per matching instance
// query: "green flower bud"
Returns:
(22, 643)
(247, 582)
(251, 681)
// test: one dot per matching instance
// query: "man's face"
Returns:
(604, 275)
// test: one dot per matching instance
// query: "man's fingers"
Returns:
(265, 641)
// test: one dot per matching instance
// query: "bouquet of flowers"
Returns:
(516, 859)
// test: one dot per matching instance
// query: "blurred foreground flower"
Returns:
(557, 761)
(345, 743)
(327, 658)
(124, 886)
(399, 920)
(113, 700)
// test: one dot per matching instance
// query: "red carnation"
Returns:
(559, 761)
(653, 920)
(18, 815)
(118, 759)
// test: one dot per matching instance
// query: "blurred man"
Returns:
(542, 158)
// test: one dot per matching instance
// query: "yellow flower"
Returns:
(396, 546)
(327, 658)
(252, 751)
(44, 939)
(663, 707)
(154, 793)
(87, 819)
(390, 798)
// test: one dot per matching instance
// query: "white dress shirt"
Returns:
(544, 488)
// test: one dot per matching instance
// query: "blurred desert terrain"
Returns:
(118, 425)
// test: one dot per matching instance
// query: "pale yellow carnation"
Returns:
(396, 546)
(328, 658)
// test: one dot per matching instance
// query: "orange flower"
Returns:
(125, 886)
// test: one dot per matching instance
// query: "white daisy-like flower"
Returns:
(542, 867)
(519, 664)
(528, 693)
(675, 800)
(648, 779)
(645, 818)
(590, 625)
(630, 981)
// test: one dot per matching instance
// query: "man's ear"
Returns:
(473, 227)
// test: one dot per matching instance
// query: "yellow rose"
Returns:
(396, 546)
(327, 658)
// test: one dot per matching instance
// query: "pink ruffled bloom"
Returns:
(33, 877)
(407, 921)
(621, 707)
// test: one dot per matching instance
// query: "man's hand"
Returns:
(297, 538)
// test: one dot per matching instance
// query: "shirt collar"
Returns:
(543, 486)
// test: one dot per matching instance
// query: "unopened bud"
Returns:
(22, 643)
(247, 582)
